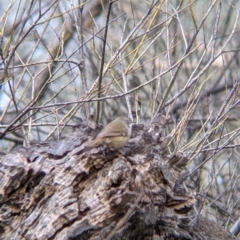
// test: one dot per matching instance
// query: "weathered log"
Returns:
(66, 190)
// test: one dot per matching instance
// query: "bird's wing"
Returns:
(111, 135)
(111, 132)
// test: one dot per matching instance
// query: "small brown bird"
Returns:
(115, 135)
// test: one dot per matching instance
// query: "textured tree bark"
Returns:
(66, 190)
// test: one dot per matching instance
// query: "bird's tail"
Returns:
(94, 143)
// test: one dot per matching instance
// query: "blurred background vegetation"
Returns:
(140, 58)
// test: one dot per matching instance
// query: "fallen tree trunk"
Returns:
(66, 190)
